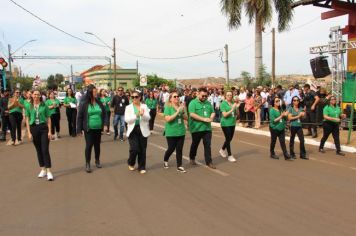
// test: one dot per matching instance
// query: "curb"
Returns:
(307, 140)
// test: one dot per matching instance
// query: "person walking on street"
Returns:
(119, 103)
(152, 103)
(296, 113)
(228, 124)
(201, 114)
(70, 102)
(277, 128)
(54, 111)
(15, 106)
(174, 115)
(105, 100)
(38, 123)
(332, 117)
(91, 117)
(137, 116)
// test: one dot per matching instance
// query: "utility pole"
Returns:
(10, 67)
(114, 55)
(273, 57)
(71, 78)
(227, 65)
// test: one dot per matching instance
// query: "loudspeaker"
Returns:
(320, 67)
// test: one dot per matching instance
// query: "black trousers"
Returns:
(138, 147)
(72, 121)
(299, 132)
(310, 119)
(280, 134)
(5, 123)
(55, 127)
(41, 142)
(229, 132)
(331, 128)
(92, 138)
(196, 137)
(242, 112)
(250, 118)
(15, 121)
(153, 113)
(175, 143)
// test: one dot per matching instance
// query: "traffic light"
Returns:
(3, 63)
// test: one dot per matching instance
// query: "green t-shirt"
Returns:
(17, 109)
(137, 122)
(94, 116)
(27, 105)
(231, 119)
(50, 102)
(203, 109)
(279, 125)
(39, 114)
(68, 100)
(293, 112)
(105, 101)
(151, 103)
(333, 112)
(176, 127)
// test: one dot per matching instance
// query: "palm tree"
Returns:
(260, 12)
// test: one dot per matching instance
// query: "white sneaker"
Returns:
(165, 165)
(42, 174)
(223, 153)
(231, 159)
(49, 176)
(181, 169)
(142, 171)
(10, 142)
(131, 168)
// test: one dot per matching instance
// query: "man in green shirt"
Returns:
(201, 114)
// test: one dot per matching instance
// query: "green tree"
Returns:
(25, 82)
(264, 78)
(154, 81)
(260, 12)
(54, 81)
(246, 78)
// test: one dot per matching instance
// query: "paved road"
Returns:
(255, 196)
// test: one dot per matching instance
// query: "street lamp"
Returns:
(113, 49)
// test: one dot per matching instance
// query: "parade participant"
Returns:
(91, 117)
(4, 101)
(15, 107)
(174, 114)
(201, 114)
(332, 117)
(119, 103)
(296, 113)
(228, 123)
(137, 117)
(70, 102)
(151, 103)
(311, 100)
(277, 128)
(38, 124)
(105, 100)
(54, 105)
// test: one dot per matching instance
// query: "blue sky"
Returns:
(154, 28)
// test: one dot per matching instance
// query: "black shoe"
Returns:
(87, 168)
(321, 150)
(287, 157)
(192, 162)
(115, 137)
(274, 156)
(340, 153)
(97, 164)
(292, 156)
(304, 157)
(211, 165)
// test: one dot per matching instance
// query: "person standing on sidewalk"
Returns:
(54, 106)
(6, 125)
(228, 124)
(277, 128)
(152, 103)
(311, 100)
(70, 102)
(201, 114)
(174, 115)
(91, 117)
(137, 116)
(258, 102)
(15, 106)
(332, 117)
(105, 100)
(296, 113)
(38, 125)
(119, 103)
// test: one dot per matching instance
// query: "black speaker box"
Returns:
(320, 67)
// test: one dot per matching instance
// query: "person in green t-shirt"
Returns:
(91, 117)
(151, 103)
(228, 123)
(174, 114)
(296, 113)
(201, 114)
(15, 106)
(38, 125)
(332, 117)
(277, 127)
(70, 103)
(106, 101)
(54, 106)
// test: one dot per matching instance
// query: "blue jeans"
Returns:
(117, 119)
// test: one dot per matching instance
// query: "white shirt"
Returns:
(130, 119)
(165, 97)
(265, 96)
(242, 97)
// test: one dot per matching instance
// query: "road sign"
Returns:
(143, 80)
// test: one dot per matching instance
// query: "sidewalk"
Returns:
(264, 130)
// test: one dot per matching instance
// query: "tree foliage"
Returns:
(25, 82)
(154, 81)
(54, 81)
(264, 78)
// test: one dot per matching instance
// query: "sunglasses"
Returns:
(174, 96)
(134, 97)
(17, 92)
